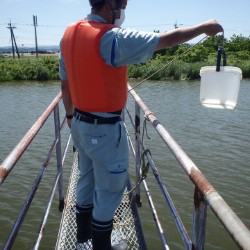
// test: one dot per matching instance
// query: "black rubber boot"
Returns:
(101, 234)
(83, 222)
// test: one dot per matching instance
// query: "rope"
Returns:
(145, 129)
(165, 65)
(145, 167)
(144, 171)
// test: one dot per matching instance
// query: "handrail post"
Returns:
(199, 220)
(59, 157)
(137, 153)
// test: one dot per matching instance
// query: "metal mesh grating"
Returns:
(126, 221)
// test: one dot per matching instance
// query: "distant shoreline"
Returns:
(174, 62)
(46, 67)
(31, 54)
(42, 49)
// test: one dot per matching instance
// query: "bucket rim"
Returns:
(224, 69)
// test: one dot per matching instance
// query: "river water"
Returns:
(216, 140)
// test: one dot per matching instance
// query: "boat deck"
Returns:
(126, 220)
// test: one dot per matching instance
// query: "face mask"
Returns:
(120, 21)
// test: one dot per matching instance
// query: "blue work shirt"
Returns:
(131, 46)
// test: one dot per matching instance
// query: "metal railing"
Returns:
(204, 193)
(11, 160)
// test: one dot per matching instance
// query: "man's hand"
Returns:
(69, 121)
(181, 35)
(212, 27)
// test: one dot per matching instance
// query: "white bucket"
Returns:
(220, 89)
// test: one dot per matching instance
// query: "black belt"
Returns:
(119, 112)
(95, 119)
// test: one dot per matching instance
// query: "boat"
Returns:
(128, 224)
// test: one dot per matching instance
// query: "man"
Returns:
(95, 53)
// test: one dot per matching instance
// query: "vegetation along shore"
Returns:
(45, 67)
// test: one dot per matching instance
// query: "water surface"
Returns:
(216, 140)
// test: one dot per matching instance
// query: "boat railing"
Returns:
(204, 193)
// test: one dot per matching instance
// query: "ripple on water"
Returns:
(216, 140)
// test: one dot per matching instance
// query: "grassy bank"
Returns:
(187, 67)
(29, 68)
(46, 68)
(178, 70)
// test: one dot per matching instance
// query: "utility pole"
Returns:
(15, 44)
(13, 40)
(35, 24)
(11, 36)
(176, 26)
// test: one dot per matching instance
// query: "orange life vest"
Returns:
(94, 85)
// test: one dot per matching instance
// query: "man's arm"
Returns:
(182, 35)
(68, 105)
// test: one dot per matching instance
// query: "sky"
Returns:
(53, 16)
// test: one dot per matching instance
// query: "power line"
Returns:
(43, 25)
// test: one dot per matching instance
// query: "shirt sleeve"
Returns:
(62, 68)
(121, 47)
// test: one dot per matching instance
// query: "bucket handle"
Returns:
(221, 52)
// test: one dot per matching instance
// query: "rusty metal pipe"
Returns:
(52, 194)
(235, 227)
(237, 230)
(181, 228)
(59, 157)
(10, 161)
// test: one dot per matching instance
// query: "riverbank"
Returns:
(29, 68)
(187, 67)
(46, 68)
